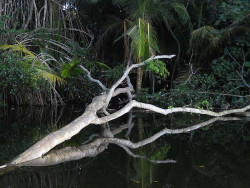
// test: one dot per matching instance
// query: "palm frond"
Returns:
(182, 13)
(51, 77)
(152, 40)
(19, 47)
(37, 62)
(143, 39)
(113, 25)
(96, 65)
(41, 64)
(206, 36)
(132, 33)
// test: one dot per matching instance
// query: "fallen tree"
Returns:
(92, 148)
(99, 106)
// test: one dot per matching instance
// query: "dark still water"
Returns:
(217, 155)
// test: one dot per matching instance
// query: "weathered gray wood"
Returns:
(90, 117)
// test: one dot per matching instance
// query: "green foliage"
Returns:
(218, 24)
(114, 73)
(204, 39)
(143, 39)
(7, 35)
(204, 82)
(2, 20)
(97, 65)
(19, 47)
(31, 60)
(205, 91)
(79, 90)
(204, 105)
(233, 63)
(17, 83)
(161, 153)
(182, 13)
(87, 58)
(231, 12)
(159, 68)
(71, 69)
(142, 95)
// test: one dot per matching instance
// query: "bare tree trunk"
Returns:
(45, 12)
(30, 14)
(55, 14)
(152, 82)
(1, 7)
(99, 104)
(50, 14)
(139, 79)
(37, 20)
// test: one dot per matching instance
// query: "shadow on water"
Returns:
(217, 155)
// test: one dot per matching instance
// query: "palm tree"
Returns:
(206, 37)
(143, 43)
(142, 16)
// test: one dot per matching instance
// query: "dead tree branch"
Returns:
(90, 117)
(92, 79)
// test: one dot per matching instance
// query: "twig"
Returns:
(145, 157)
(242, 69)
(191, 68)
(124, 76)
(92, 79)
(225, 94)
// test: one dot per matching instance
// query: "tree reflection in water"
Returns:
(211, 167)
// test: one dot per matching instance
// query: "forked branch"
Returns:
(92, 79)
(101, 102)
(127, 71)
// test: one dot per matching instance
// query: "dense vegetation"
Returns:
(43, 42)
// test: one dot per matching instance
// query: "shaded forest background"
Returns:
(43, 42)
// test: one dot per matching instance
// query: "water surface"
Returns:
(215, 156)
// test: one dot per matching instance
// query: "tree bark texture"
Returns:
(139, 79)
